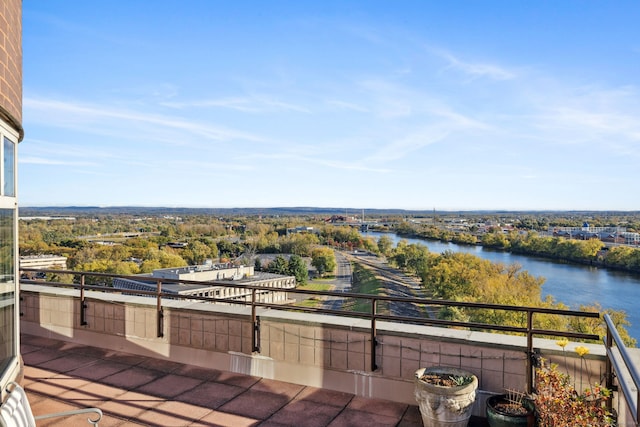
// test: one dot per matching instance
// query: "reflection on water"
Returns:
(568, 283)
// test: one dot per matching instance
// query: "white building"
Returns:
(44, 262)
(216, 280)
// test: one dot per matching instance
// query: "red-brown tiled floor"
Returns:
(134, 390)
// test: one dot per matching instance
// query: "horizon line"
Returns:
(323, 208)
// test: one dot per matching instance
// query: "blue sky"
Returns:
(356, 104)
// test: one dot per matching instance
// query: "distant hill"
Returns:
(282, 211)
(142, 210)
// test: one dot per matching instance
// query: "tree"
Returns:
(228, 249)
(168, 258)
(412, 257)
(324, 260)
(598, 327)
(298, 268)
(149, 265)
(196, 252)
(62, 278)
(496, 239)
(279, 265)
(299, 243)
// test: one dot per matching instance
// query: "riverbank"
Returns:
(599, 260)
(570, 283)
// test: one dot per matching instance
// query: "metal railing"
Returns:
(252, 299)
(619, 366)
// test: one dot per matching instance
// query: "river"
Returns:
(571, 284)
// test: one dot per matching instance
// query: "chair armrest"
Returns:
(75, 412)
(17, 409)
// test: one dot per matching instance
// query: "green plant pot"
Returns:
(500, 418)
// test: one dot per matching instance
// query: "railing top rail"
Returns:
(631, 392)
(626, 357)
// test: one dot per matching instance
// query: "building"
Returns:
(301, 229)
(215, 280)
(44, 262)
(11, 133)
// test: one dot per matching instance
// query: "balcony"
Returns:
(137, 390)
(257, 363)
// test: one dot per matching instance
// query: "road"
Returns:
(342, 282)
(395, 282)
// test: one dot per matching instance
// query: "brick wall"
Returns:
(11, 58)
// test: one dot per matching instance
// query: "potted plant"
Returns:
(512, 409)
(445, 395)
(559, 403)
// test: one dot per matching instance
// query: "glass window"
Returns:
(7, 288)
(9, 171)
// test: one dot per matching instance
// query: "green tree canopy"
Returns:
(196, 252)
(298, 268)
(324, 260)
(279, 265)
(385, 244)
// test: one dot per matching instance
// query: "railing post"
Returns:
(608, 366)
(83, 304)
(160, 314)
(255, 322)
(530, 354)
(374, 334)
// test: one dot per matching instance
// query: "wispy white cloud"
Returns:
(388, 99)
(49, 149)
(250, 104)
(60, 113)
(476, 69)
(347, 106)
(401, 147)
(347, 166)
(82, 31)
(295, 157)
(212, 166)
(605, 119)
(31, 160)
(457, 121)
(414, 117)
(365, 33)
(158, 93)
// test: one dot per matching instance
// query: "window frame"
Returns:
(10, 203)
(6, 141)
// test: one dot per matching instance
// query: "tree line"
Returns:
(127, 245)
(591, 251)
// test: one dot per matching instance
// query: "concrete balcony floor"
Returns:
(137, 390)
